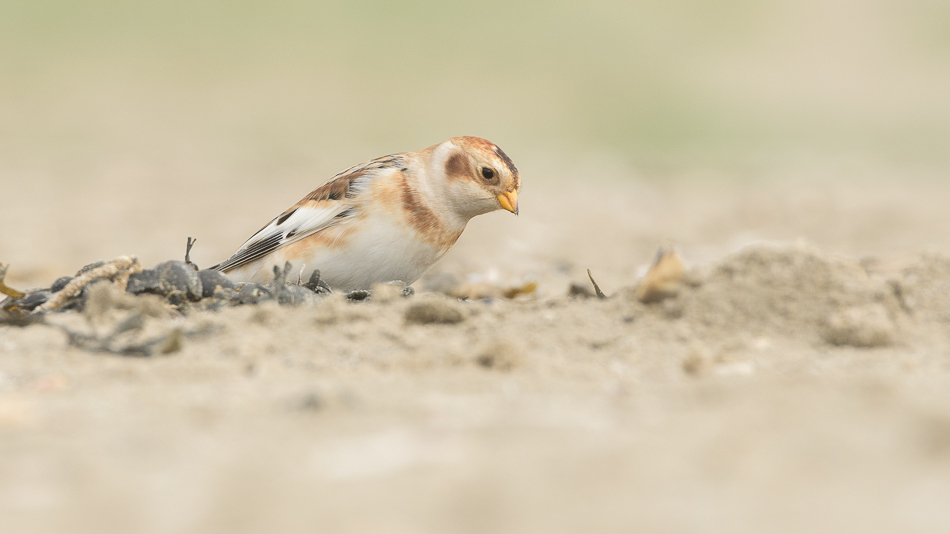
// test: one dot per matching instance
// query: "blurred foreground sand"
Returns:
(725, 409)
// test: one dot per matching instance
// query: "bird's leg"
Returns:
(280, 275)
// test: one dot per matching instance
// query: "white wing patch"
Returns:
(303, 222)
(325, 207)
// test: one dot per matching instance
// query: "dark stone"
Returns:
(211, 280)
(251, 293)
(223, 297)
(60, 283)
(146, 281)
(358, 296)
(317, 285)
(179, 276)
(33, 300)
(295, 295)
(226, 293)
(176, 298)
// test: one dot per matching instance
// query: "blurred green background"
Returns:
(249, 87)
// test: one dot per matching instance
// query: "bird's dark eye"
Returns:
(488, 173)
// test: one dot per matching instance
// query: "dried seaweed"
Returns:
(118, 270)
(4, 288)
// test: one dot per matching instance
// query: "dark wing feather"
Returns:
(324, 207)
(253, 251)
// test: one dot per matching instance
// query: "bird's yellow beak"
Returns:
(509, 201)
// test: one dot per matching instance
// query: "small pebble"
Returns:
(251, 293)
(358, 296)
(211, 280)
(317, 285)
(664, 278)
(433, 312)
(179, 276)
(222, 298)
(146, 281)
(176, 298)
(60, 283)
(294, 295)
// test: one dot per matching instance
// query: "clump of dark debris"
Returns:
(130, 293)
(180, 284)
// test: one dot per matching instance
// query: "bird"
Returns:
(386, 220)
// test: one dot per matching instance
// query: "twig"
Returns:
(191, 242)
(600, 294)
(280, 275)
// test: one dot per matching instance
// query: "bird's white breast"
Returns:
(378, 250)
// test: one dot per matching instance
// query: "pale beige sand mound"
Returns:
(789, 290)
(727, 408)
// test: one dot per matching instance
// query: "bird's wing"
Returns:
(323, 208)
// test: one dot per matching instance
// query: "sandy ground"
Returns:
(800, 381)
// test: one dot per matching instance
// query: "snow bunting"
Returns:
(387, 219)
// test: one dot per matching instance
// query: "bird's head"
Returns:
(479, 176)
